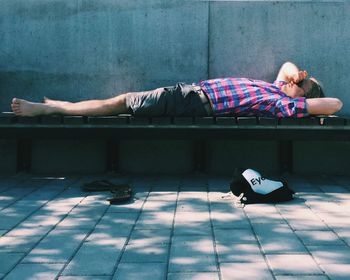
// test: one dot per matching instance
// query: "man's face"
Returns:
(293, 90)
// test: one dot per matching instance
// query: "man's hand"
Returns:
(298, 77)
(290, 73)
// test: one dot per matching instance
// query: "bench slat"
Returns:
(28, 120)
(268, 121)
(204, 121)
(183, 120)
(334, 121)
(247, 121)
(7, 118)
(162, 120)
(226, 121)
(139, 120)
(51, 119)
(75, 120)
(108, 120)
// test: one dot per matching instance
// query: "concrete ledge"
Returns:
(225, 156)
(68, 156)
(320, 157)
(154, 157)
(8, 156)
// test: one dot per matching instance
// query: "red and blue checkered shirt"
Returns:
(247, 97)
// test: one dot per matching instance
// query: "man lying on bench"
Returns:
(291, 95)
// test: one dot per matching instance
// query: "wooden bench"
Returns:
(198, 129)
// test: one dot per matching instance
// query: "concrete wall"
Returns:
(78, 49)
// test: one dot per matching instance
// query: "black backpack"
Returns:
(240, 187)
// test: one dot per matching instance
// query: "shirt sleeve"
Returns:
(279, 84)
(287, 107)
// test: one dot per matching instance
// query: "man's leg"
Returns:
(112, 106)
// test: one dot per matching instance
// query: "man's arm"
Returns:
(289, 72)
(323, 106)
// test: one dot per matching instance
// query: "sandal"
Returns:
(121, 195)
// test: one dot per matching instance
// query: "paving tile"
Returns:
(58, 207)
(335, 220)
(18, 243)
(262, 215)
(79, 221)
(88, 209)
(302, 277)
(57, 247)
(84, 277)
(323, 206)
(159, 205)
(297, 264)
(330, 254)
(155, 220)
(278, 238)
(29, 231)
(192, 202)
(199, 230)
(150, 237)
(13, 194)
(239, 253)
(34, 271)
(193, 276)
(116, 224)
(43, 194)
(225, 206)
(96, 257)
(218, 197)
(319, 238)
(229, 220)
(192, 205)
(241, 236)
(337, 271)
(195, 219)
(303, 219)
(10, 217)
(8, 261)
(192, 253)
(134, 205)
(169, 196)
(244, 271)
(37, 224)
(344, 234)
(144, 253)
(137, 271)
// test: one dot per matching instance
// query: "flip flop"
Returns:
(121, 195)
(102, 185)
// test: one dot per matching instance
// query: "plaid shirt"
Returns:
(246, 97)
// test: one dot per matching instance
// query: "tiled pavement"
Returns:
(176, 228)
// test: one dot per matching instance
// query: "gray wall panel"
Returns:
(94, 49)
(253, 39)
(156, 157)
(320, 157)
(225, 155)
(68, 156)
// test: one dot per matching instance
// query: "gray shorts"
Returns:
(179, 100)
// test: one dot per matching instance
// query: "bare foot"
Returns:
(25, 108)
(54, 102)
